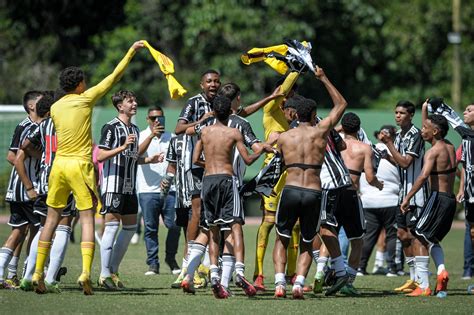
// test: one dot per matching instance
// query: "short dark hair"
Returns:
(229, 90)
(221, 106)
(305, 108)
(209, 71)
(350, 122)
(49, 93)
(43, 106)
(119, 96)
(29, 96)
(407, 105)
(441, 123)
(70, 78)
(293, 102)
(155, 107)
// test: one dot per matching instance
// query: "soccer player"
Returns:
(73, 169)
(221, 200)
(303, 149)
(407, 153)
(21, 206)
(119, 150)
(437, 215)
(42, 140)
(277, 115)
(358, 157)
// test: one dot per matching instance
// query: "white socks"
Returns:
(121, 246)
(107, 244)
(58, 252)
(379, 259)
(321, 263)
(228, 263)
(5, 257)
(194, 260)
(31, 260)
(240, 268)
(410, 261)
(422, 271)
(280, 279)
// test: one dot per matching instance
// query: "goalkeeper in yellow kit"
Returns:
(73, 170)
(276, 119)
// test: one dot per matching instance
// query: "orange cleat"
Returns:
(420, 292)
(258, 283)
(188, 285)
(280, 292)
(442, 282)
(298, 293)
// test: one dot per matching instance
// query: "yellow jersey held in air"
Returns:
(72, 115)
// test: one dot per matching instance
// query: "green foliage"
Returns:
(376, 52)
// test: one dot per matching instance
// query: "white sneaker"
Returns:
(135, 239)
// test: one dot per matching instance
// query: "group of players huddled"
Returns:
(315, 192)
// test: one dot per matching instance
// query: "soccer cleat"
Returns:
(52, 287)
(420, 292)
(339, 282)
(177, 283)
(349, 290)
(188, 285)
(378, 270)
(61, 272)
(258, 283)
(442, 282)
(10, 284)
(85, 283)
(246, 286)
(38, 283)
(442, 294)
(107, 283)
(26, 285)
(470, 289)
(407, 287)
(218, 290)
(117, 281)
(318, 282)
(280, 292)
(15, 281)
(298, 293)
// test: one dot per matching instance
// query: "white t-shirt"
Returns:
(370, 196)
(149, 176)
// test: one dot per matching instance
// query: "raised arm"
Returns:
(250, 109)
(104, 86)
(424, 112)
(338, 100)
(369, 169)
(428, 164)
(285, 89)
(184, 124)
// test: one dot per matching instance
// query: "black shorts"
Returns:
(41, 208)
(408, 219)
(299, 203)
(469, 210)
(221, 200)
(436, 217)
(329, 204)
(350, 214)
(196, 185)
(21, 213)
(122, 204)
(183, 215)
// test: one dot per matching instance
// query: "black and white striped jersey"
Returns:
(119, 172)
(194, 109)
(467, 152)
(334, 173)
(411, 143)
(175, 155)
(16, 191)
(246, 130)
(44, 138)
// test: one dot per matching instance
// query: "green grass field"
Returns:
(152, 294)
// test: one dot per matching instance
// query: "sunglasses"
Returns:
(154, 117)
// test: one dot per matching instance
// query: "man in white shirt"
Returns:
(153, 202)
(380, 207)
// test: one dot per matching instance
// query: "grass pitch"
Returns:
(152, 294)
